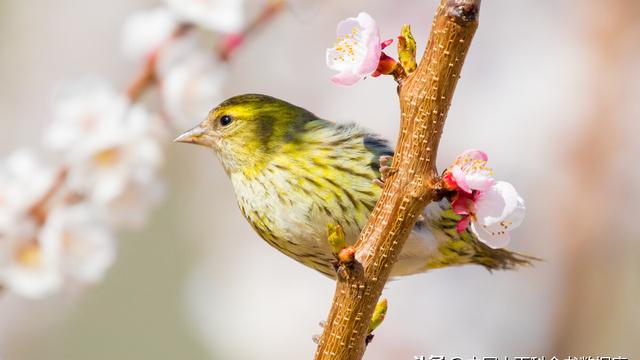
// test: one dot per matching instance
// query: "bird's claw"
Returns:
(368, 339)
(386, 170)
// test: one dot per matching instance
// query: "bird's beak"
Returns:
(194, 136)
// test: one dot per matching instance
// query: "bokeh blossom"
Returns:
(59, 215)
(357, 51)
(85, 246)
(225, 16)
(192, 85)
(110, 147)
(24, 180)
(145, 31)
(190, 79)
(82, 111)
(27, 267)
(489, 208)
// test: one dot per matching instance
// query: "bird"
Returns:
(294, 174)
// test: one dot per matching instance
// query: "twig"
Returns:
(147, 75)
(425, 96)
(233, 41)
(40, 209)
(146, 78)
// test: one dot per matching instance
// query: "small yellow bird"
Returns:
(294, 174)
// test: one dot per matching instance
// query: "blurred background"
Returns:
(549, 90)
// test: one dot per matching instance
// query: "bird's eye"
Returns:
(225, 120)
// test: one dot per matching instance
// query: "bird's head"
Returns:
(247, 130)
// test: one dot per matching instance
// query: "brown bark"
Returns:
(425, 96)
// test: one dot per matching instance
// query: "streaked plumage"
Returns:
(294, 173)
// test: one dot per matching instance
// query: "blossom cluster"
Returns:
(488, 207)
(57, 214)
(100, 161)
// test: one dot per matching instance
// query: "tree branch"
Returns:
(425, 96)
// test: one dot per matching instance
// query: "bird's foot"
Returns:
(386, 170)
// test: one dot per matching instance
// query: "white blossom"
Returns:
(86, 245)
(191, 78)
(217, 15)
(24, 180)
(81, 111)
(117, 157)
(26, 267)
(144, 32)
(191, 86)
(132, 207)
(121, 160)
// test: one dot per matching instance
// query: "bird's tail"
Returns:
(465, 248)
(502, 259)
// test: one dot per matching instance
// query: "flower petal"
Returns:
(479, 181)
(500, 203)
(494, 240)
(463, 204)
(461, 178)
(475, 155)
(345, 78)
(463, 224)
(371, 36)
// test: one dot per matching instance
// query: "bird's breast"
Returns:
(290, 206)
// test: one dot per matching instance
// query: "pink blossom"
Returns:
(470, 172)
(490, 214)
(357, 51)
(489, 208)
